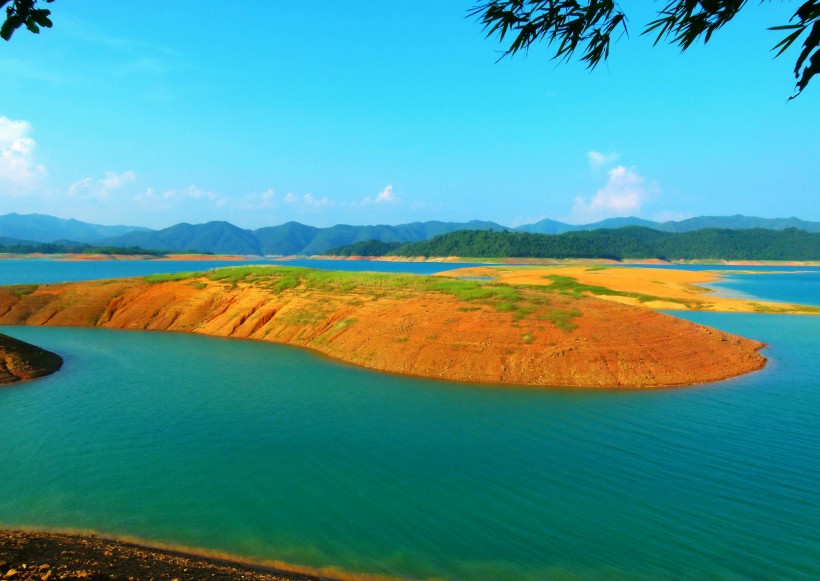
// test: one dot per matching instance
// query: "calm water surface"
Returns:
(272, 452)
(800, 286)
(788, 284)
(28, 271)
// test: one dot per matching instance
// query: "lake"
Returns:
(27, 271)
(771, 283)
(271, 452)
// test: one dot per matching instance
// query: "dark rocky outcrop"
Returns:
(20, 361)
(45, 556)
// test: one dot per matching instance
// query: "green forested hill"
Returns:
(13, 246)
(214, 237)
(366, 248)
(295, 238)
(619, 244)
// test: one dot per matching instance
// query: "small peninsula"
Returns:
(434, 327)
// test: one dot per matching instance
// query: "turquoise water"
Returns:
(801, 286)
(788, 284)
(274, 453)
(28, 271)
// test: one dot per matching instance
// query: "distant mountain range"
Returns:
(42, 228)
(736, 222)
(294, 238)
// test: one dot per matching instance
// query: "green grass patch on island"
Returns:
(22, 290)
(568, 285)
(171, 277)
(561, 318)
(503, 298)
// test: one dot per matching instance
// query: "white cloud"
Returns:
(386, 196)
(173, 198)
(263, 201)
(598, 160)
(197, 193)
(18, 166)
(308, 200)
(315, 202)
(114, 181)
(91, 189)
(623, 195)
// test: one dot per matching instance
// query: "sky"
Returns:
(152, 113)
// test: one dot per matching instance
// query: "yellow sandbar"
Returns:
(672, 289)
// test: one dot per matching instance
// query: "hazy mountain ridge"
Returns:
(44, 228)
(293, 238)
(216, 237)
(548, 226)
(286, 239)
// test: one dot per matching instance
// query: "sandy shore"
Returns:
(654, 288)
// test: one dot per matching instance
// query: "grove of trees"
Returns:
(632, 242)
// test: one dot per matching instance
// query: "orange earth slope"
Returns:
(421, 326)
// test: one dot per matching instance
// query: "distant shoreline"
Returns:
(556, 261)
(73, 257)
(447, 259)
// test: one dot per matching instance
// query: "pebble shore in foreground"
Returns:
(44, 556)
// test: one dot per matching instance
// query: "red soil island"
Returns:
(422, 326)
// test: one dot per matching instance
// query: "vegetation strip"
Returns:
(71, 248)
(276, 279)
(570, 286)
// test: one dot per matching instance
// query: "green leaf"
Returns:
(787, 42)
(40, 16)
(12, 23)
(811, 43)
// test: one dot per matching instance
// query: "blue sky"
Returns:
(362, 112)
